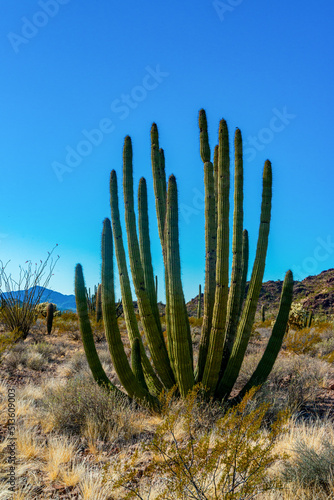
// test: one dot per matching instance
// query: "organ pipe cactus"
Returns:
(98, 307)
(228, 315)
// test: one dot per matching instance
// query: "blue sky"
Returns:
(70, 68)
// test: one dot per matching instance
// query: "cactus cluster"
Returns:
(228, 315)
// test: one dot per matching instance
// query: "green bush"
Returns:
(229, 460)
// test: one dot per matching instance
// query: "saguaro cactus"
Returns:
(263, 313)
(227, 315)
(49, 317)
(199, 305)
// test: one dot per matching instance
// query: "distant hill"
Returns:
(63, 302)
(314, 292)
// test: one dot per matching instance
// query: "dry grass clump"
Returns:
(304, 341)
(80, 407)
(34, 356)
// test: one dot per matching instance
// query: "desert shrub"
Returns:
(294, 383)
(41, 309)
(297, 317)
(326, 346)
(230, 460)
(303, 341)
(195, 321)
(310, 467)
(82, 403)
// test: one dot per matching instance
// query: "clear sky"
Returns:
(70, 68)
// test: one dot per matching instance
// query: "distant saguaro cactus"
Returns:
(227, 315)
(49, 317)
(98, 306)
(199, 305)
(263, 313)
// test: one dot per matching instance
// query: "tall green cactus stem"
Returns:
(145, 250)
(270, 354)
(160, 192)
(156, 287)
(177, 315)
(203, 136)
(98, 303)
(263, 313)
(234, 296)
(152, 329)
(246, 321)
(136, 364)
(87, 334)
(215, 174)
(152, 380)
(244, 266)
(120, 361)
(216, 343)
(199, 304)
(210, 259)
(49, 317)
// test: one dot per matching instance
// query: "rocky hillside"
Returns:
(315, 292)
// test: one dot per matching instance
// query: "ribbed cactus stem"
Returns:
(98, 307)
(215, 352)
(49, 317)
(234, 296)
(246, 321)
(270, 354)
(156, 287)
(177, 314)
(113, 336)
(136, 364)
(210, 268)
(244, 266)
(87, 334)
(199, 304)
(151, 324)
(145, 250)
(203, 136)
(153, 382)
(309, 319)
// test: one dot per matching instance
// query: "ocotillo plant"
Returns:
(199, 305)
(49, 317)
(227, 316)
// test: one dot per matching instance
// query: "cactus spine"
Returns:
(49, 317)
(227, 315)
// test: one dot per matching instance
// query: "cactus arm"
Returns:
(178, 318)
(113, 336)
(145, 250)
(270, 354)
(244, 266)
(203, 137)
(153, 382)
(210, 250)
(87, 334)
(216, 342)
(245, 325)
(136, 364)
(215, 176)
(234, 296)
(152, 331)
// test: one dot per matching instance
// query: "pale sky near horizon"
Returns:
(77, 77)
